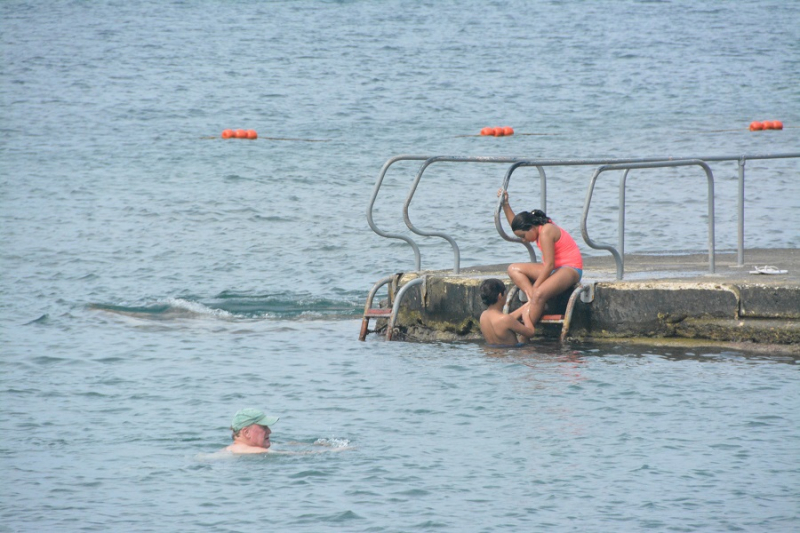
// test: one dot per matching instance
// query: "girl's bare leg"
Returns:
(524, 275)
(558, 282)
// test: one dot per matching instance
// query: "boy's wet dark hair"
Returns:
(491, 289)
(528, 219)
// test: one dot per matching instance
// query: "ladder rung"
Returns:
(552, 319)
(375, 313)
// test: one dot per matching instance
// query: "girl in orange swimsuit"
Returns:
(562, 263)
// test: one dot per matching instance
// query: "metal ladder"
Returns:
(376, 312)
(586, 294)
(386, 312)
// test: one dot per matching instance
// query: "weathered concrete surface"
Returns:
(668, 296)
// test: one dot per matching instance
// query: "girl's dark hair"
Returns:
(491, 289)
(528, 219)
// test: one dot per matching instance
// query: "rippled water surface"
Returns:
(157, 278)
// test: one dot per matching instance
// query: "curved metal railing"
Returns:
(619, 252)
(517, 162)
(499, 207)
(447, 159)
(371, 222)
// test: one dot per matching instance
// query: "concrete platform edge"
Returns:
(727, 307)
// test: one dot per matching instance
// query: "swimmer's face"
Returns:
(259, 436)
(528, 235)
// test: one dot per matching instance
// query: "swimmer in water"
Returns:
(251, 432)
(498, 328)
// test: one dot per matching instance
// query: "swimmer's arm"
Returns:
(312, 452)
(524, 328)
(506, 206)
(245, 450)
(518, 312)
(328, 448)
(300, 443)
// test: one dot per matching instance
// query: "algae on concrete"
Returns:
(729, 305)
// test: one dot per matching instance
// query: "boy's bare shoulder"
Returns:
(493, 314)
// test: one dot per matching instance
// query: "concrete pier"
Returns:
(662, 298)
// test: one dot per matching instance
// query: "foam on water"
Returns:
(235, 308)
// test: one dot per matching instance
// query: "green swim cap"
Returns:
(249, 416)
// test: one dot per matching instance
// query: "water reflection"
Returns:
(552, 365)
(745, 352)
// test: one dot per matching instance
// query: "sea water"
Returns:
(157, 278)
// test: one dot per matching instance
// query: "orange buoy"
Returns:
(777, 125)
(251, 134)
(241, 134)
(755, 126)
(498, 131)
(227, 134)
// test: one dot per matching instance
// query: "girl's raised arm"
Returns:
(506, 207)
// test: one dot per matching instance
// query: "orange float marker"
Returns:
(755, 126)
(777, 125)
(498, 131)
(239, 134)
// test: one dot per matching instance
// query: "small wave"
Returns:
(291, 449)
(198, 308)
(284, 306)
(234, 306)
(332, 443)
(169, 309)
(41, 320)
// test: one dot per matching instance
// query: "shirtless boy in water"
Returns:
(498, 328)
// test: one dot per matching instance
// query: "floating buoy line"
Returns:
(507, 130)
(757, 125)
(766, 125)
(253, 135)
(503, 131)
(239, 134)
(489, 131)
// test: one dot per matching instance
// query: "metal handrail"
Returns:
(396, 306)
(381, 175)
(501, 200)
(520, 162)
(448, 159)
(619, 253)
(741, 159)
